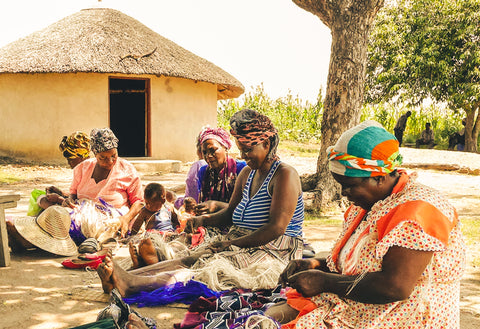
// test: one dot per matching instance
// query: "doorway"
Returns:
(129, 115)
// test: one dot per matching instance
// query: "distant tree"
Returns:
(428, 49)
(350, 23)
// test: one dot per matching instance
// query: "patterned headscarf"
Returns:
(77, 145)
(366, 150)
(252, 128)
(218, 134)
(103, 139)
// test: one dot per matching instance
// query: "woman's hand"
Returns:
(69, 202)
(201, 208)
(194, 223)
(219, 246)
(295, 266)
(309, 283)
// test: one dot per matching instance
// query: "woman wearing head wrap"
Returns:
(108, 178)
(217, 178)
(399, 259)
(75, 148)
(265, 215)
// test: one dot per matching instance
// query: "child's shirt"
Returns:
(162, 220)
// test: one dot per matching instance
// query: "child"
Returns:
(187, 210)
(155, 214)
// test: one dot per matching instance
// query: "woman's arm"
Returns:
(223, 217)
(126, 219)
(286, 189)
(401, 269)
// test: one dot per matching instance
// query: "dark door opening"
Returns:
(129, 115)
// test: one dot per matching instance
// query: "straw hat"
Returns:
(48, 231)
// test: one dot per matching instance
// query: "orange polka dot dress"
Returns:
(416, 217)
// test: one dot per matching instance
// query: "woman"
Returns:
(75, 148)
(265, 213)
(216, 180)
(108, 178)
(399, 259)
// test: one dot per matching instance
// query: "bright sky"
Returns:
(273, 42)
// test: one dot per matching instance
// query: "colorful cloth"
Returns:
(251, 128)
(253, 213)
(178, 292)
(365, 150)
(218, 134)
(416, 217)
(121, 188)
(232, 309)
(77, 145)
(219, 186)
(103, 139)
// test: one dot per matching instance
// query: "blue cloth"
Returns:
(173, 293)
(253, 213)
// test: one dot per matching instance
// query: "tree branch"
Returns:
(137, 57)
(319, 8)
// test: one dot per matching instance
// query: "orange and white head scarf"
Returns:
(251, 128)
(366, 150)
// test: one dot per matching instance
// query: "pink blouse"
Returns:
(121, 188)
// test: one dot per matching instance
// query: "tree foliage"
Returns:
(428, 49)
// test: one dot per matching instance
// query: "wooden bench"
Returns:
(6, 201)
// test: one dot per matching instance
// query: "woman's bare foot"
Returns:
(136, 259)
(113, 276)
(105, 271)
(134, 322)
(147, 251)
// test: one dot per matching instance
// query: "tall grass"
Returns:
(300, 121)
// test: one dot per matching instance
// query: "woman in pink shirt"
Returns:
(107, 177)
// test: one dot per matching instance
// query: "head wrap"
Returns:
(251, 128)
(103, 139)
(366, 150)
(218, 134)
(77, 145)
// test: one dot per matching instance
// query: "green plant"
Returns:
(295, 119)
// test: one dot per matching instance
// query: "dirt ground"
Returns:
(37, 292)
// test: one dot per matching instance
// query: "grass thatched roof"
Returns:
(108, 41)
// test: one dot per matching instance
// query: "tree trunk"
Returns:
(472, 128)
(350, 23)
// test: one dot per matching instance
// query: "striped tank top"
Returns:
(254, 213)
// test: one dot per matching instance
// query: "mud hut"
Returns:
(102, 68)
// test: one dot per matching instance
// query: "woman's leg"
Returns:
(113, 276)
(16, 242)
(146, 278)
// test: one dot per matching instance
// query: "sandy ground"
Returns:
(36, 291)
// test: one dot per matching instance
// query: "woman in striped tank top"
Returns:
(265, 213)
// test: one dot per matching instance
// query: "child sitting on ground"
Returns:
(155, 214)
(187, 210)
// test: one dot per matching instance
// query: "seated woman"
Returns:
(216, 180)
(265, 214)
(75, 148)
(400, 257)
(107, 177)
